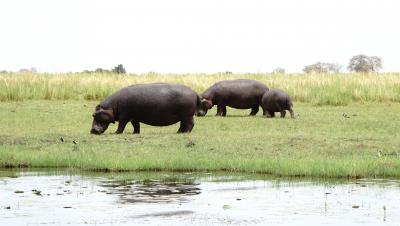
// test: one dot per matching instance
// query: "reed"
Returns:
(338, 89)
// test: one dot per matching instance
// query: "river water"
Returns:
(81, 198)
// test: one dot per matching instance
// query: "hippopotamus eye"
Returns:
(102, 117)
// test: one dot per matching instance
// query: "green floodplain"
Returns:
(356, 138)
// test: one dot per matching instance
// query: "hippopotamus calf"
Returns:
(276, 100)
(156, 104)
(239, 93)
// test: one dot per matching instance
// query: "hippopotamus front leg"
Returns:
(221, 110)
(254, 110)
(186, 125)
(291, 112)
(121, 125)
(136, 126)
(283, 113)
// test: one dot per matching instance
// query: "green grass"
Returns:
(336, 90)
(320, 143)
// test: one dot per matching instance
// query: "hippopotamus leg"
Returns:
(291, 112)
(221, 110)
(283, 114)
(186, 125)
(254, 110)
(121, 125)
(267, 114)
(136, 126)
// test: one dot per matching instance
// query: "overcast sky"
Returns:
(195, 36)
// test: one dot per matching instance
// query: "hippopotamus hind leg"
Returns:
(136, 126)
(186, 125)
(254, 110)
(283, 113)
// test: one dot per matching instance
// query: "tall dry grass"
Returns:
(339, 89)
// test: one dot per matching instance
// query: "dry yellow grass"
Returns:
(339, 89)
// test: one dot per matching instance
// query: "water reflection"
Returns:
(152, 191)
(80, 198)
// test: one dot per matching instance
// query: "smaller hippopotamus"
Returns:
(238, 93)
(276, 100)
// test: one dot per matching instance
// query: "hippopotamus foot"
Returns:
(269, 114)
(283, 114)
(221, 110)
(186, 125)
(136, 126)
(254, 111)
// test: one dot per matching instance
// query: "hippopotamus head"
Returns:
(206, 104)
(102, 117)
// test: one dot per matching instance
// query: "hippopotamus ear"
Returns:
(206, 103)
(97, 110)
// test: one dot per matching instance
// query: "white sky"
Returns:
(195, 35)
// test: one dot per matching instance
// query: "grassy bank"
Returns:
(341, 89)
(321, 142)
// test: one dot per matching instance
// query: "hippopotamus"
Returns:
(238, 93)
(276, 100)
(156, 104)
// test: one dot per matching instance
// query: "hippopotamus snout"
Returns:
(95, 131)
(98, 128)
(201, 113)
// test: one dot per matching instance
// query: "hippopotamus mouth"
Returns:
(95, 131)
(99, 128)
(200, 113)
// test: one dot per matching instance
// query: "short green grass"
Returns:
(321, 142)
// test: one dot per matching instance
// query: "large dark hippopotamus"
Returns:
(156, 104)
(276, 100)
(238, 93)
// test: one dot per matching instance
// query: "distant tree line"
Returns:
(322, 68)
(23, 70)
(119, 69)
(278, 70)
(360, 63)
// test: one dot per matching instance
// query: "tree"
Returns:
(278, 70)
(101, 70)
(119, 69)
(365, 64)
(322, 68)
(376, 63)
(25, 70)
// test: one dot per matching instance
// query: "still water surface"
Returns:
(79, 198)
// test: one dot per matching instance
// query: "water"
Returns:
(70, 198)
